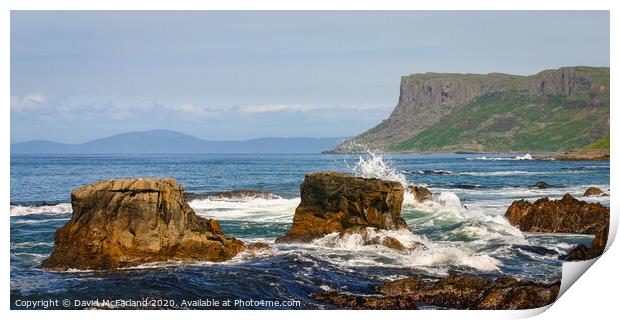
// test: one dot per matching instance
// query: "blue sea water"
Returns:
(463, 227)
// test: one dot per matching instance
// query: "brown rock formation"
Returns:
(593, 191)
(421, 194)
(473, 292)
(121, 223)
(567, 215)
(335, 202)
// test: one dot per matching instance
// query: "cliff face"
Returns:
(426, 99)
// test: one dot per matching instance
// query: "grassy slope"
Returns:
(509, 121)
(603, 143)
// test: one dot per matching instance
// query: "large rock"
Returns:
(473, 292)
(335, 202)
(567, 215)
(120, 223)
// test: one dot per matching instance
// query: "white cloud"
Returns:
(80, 107)
(306, 107)
(196, 110)
(278, 107)
(27, 102)
(33, 99)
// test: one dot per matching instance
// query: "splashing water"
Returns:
(374, 166)
(527, 156)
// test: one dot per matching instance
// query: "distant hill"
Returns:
(172, 142)
(554, 110)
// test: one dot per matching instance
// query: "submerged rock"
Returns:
(350, 301)
(597, 248)
(255, 246)
(335, 202)
(567, 215)
(191, 196)
(473, 292)
(542, 185)
(256, 249)
(464, 186)
(432, 172)
(593, 191)
(421, 194)
(121, 223)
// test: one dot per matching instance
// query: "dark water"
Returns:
(463, 227)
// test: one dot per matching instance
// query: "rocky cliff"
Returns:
(494, 112)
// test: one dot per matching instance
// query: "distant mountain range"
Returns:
(553, 110)
(172, 142)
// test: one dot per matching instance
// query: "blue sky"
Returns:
(77, 75)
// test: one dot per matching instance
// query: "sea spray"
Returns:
(373, 165)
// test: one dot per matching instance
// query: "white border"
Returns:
(592, 297)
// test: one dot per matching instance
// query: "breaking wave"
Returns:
(527, 156)
(61, 208)
(351, 250)
(249, 209)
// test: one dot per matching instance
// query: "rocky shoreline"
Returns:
(128, 222)
(452, 292)
(583, 155)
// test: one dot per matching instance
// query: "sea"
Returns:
(463, 228)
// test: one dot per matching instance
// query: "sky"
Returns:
(226, 75)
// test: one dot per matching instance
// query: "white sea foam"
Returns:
(443, 255)
(350, 250)
(526, 156)
(60, 208)
(506, 173)
(247, 209)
